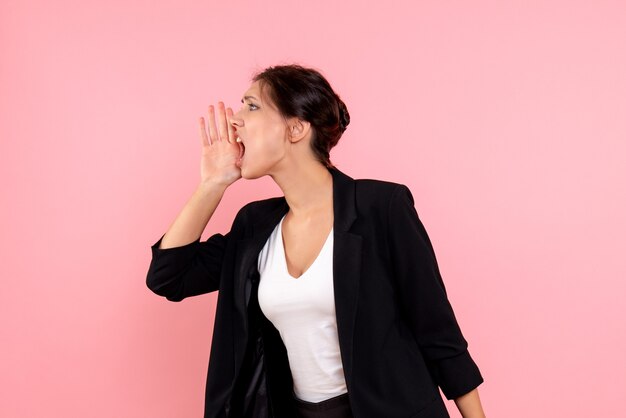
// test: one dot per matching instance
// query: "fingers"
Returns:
(203, 136)
(223, 130)
(212, 128)
(231, 128)
(222, 124)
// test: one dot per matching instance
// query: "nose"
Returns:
(236, 121)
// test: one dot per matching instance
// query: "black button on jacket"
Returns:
(398, 335)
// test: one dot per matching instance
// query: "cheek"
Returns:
(272, 150)
(273, 140)
(267, 142)
(274, 132)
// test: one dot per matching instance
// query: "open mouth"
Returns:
(242, 150)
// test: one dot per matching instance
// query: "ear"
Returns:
(298, 129)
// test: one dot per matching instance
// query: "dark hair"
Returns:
(304, 93)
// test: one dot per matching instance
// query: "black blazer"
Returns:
(398, 335)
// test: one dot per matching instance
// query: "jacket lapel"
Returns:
(346, 266)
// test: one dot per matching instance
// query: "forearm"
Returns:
(469, 405)
(193, 218)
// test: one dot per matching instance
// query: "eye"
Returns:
(251, 106)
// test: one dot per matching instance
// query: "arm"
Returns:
(423, 299)
(185, 266)
(181, 266)
(193, 218)
(469, 405)
(218, 170)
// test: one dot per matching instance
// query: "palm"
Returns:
(220, 151)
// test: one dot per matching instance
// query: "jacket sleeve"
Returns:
(424, 300)
(188, 270)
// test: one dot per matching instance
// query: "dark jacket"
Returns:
(398, 335)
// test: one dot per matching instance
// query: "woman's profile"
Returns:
(330, 299)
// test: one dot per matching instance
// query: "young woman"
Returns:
(330, 300)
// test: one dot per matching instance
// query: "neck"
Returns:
(308, 188)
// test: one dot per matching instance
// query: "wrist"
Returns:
(210, 187)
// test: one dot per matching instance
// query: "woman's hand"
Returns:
(220, 151)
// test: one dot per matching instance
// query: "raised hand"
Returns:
(220, 151)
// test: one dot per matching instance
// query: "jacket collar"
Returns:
(346, 260)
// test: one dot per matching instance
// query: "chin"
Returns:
(247, 174)
(252, 173)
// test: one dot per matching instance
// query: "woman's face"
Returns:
(263, 133)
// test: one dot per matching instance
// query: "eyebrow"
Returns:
(248, 97)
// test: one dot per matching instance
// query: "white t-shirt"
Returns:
(303, 311)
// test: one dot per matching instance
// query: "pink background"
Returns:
(507, 121)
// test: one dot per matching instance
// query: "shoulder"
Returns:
(378, 192)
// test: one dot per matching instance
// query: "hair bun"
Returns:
(344, 116)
